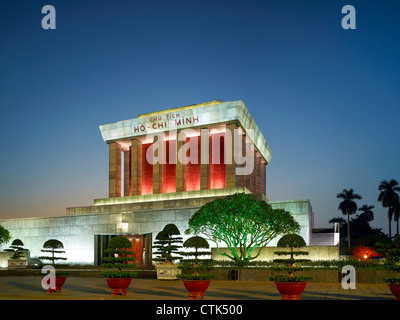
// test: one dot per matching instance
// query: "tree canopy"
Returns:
(52, 246)
(348, 206)
(362, 233)
(4, 235)
(243, 223)
(168, 243)
(390, 199)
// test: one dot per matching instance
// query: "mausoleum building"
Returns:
(163, 166)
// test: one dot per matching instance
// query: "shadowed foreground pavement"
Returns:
(82, 288)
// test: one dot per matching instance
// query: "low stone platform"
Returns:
(224, 274)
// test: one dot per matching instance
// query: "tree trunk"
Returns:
(390, 230)
(348, 230)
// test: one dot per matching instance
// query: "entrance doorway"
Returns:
(138, 249)
(141, 247)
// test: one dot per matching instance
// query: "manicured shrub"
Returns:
(289, 265)
(54, 247)
(17, 249)
(168, 244)
(192, 267)
(116, 263)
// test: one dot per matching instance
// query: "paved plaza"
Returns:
(87, 288)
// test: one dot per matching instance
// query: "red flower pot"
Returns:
(196, 288)
(395, 289)
(118, 285)
(59, 282)
(290, 290)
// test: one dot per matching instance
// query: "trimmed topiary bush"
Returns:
(289, 265)
(167, 245)
(115, 264)
(17, 249)
(54, 247)
(196, 265)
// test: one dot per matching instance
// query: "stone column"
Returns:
(247, 152)
(139, 171)
(241, 153)
(205, 159)
(180, 170)
(134, 166)
(157, 172)
(168, 171)
(127, 172)
(254, 173)
(230, 165)
(259, 176)
(114, 169)
(263, 167)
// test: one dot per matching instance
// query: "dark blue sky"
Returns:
(326, 99)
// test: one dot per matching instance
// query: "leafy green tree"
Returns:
(243, 223)
(389, 198)
(4, 235)
(348, 207)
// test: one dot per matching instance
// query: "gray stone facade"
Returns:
(78, 231)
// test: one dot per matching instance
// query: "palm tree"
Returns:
(348, 207)
(367, 215)
(389, 199)
(397, 216)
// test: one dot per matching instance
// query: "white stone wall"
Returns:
(267, 254)
(77, 232)
(74, 232)
(302, 213)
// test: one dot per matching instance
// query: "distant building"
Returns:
(163, 167)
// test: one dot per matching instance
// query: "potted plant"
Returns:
(54, 247)
(289, 285)
(195, 283)
(167, 247)
(116, 269)
(392, 263)
(15, 261)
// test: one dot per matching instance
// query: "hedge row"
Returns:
(323, 264)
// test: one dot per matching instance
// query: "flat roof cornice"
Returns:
(201, 115)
